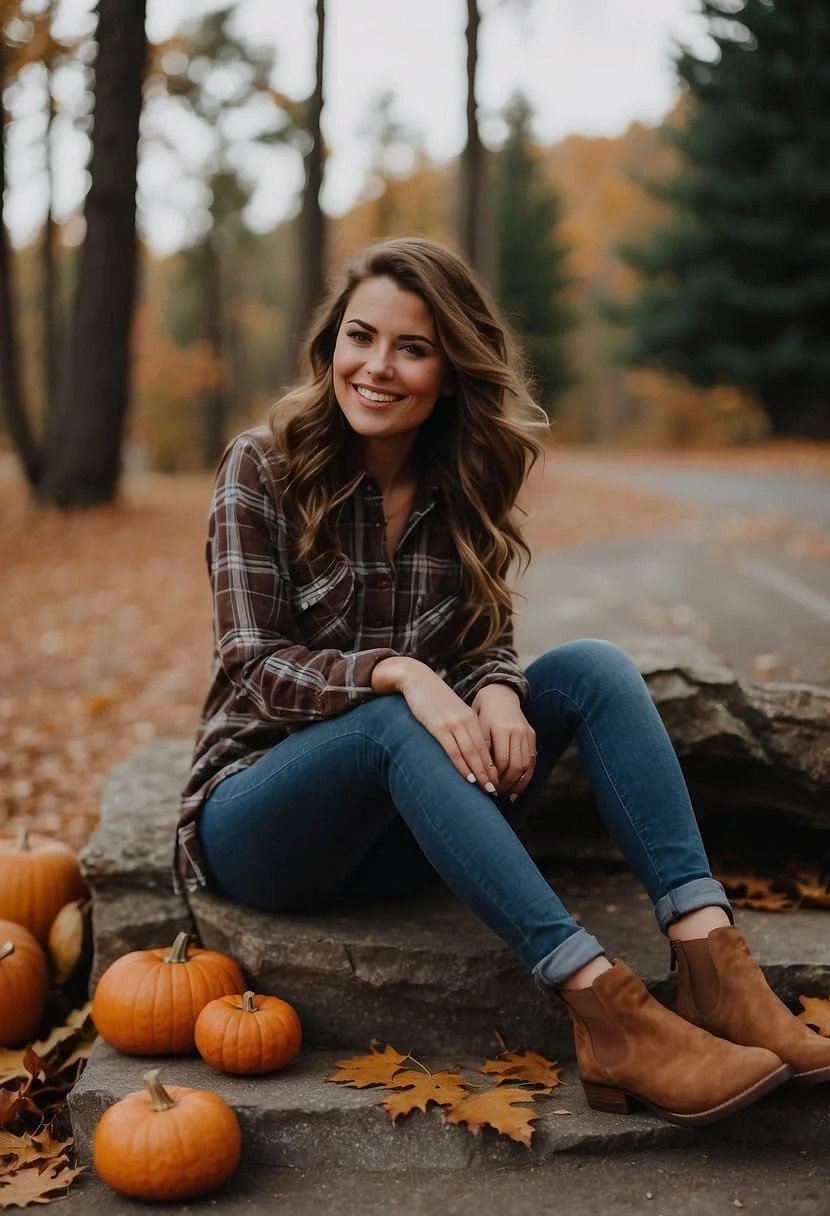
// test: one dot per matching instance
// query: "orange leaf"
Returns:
(816, 1013)
(813, 888)
(527, 1066)
(495, 1108)
(377, 1068)
(417, 1089)
(763, 894)
(31, 1185)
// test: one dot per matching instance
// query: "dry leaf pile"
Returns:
(798, 886)
(36, 1160)
(520, 1077)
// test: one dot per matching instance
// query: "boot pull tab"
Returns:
(672, 956)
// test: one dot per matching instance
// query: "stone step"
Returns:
(426, 975)
(296, 1118)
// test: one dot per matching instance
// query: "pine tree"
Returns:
(530, 272)
(736, 284)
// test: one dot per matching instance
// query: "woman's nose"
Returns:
(378, 364)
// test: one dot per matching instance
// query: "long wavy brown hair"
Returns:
(480, 440)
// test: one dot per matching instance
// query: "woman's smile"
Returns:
(374, 398)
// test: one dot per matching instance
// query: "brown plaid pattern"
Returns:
(291, 649)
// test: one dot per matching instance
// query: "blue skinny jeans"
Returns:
(368, 805)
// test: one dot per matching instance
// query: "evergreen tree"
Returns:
(737, 283)
(530, 272)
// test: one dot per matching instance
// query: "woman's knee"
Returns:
(592, 662)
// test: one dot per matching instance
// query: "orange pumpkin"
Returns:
(148, 1001)
(248, 1034)
(164, 1143)
(24, 979)
(37, 877)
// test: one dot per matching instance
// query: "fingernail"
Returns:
(471, 777)
(490, 788)
(513, 797)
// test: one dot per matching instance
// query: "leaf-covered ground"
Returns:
(106, 638)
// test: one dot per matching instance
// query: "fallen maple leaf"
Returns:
(813, 887)
(414, 1090)
(762, 894)
(32, 1185)
(816, 1013)
(527, 1066)
(496, 1108)
(376, 1068)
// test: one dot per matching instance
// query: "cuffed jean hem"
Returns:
(573, 953)
(698, 893)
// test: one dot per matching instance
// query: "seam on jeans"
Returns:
(635, 824)
(250, 789)
(489, 892)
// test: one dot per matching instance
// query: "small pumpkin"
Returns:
(147, 1002)
(24, 979)
(70, 940)
(37, 877)
(165, 1143)
(248, 1034)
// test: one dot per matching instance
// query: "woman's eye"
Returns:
(358, 335)
(414, 350)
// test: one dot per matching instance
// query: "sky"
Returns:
(587, 66)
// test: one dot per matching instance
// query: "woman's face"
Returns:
(388, 367)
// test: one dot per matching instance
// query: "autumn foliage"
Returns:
(520, 1078)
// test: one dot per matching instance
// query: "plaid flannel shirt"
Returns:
(291, 650)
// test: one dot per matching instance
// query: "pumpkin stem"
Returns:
(248, 1002)
(6, 949)
(178, 951)
(160, 1099)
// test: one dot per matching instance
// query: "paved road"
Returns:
(749, 575)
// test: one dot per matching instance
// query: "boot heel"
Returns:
(609, 1099)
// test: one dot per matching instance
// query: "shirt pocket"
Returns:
(323, 610)
(436, 627)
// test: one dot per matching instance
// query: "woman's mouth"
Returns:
(375, 399)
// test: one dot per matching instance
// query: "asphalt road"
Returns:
(749, 574)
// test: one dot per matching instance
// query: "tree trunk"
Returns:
(50, 330)
(11, 388)
(84, 446)
(471, 178)
(215, 404)
(312, 222)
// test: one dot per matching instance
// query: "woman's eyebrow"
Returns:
(401, 337)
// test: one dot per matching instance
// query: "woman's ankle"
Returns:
(699, 923)
(584, 976)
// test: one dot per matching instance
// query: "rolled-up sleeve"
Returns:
(499, 664)
(256, 641)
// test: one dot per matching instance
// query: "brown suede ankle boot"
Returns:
(721, 988)
(632, 1052)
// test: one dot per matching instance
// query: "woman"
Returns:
(368, 717)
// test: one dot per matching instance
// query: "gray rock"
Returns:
(127, 861)
(297, 1118)
(756, 757)
(426, 973)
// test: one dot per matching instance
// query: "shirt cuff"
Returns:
(350, 681)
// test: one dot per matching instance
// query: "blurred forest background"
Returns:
(671, 286)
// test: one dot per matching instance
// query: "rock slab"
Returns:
(297, 1118)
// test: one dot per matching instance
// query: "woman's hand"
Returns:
(509, 736)
(447, 718)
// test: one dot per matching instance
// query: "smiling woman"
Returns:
(369, 729)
